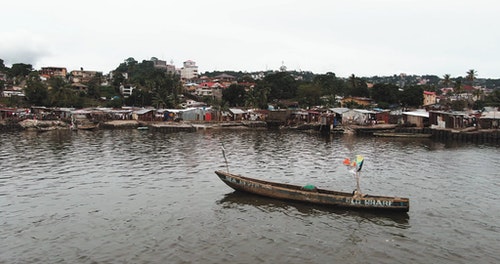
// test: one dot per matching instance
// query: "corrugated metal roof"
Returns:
(339, 110)
(363, 111)
(491, 115)
(417, 113)
(236, 111)
(143, 111)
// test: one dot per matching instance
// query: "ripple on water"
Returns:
(128, 196)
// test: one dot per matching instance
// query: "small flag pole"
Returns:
(224, 155)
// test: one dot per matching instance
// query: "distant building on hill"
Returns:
(358, 100)
(161, 64)
(49, 72)
(189, 71)
(83, 76)
(126, 90)
(429, 98)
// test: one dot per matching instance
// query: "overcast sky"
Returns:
(361, 37)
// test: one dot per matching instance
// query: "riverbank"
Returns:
(465, 135)
(470, 134)
(187, 126)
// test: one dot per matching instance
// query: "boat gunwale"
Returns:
(320, 191)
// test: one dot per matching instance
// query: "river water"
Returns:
(131, 196)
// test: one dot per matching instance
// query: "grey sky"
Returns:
(361, 37)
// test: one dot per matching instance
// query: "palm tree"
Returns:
(353, 81)
(471, 76)
(458, 88)
(478, 94)
(446, 80)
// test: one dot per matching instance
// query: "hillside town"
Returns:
(202, 102)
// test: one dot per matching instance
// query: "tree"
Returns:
(330, 85)
(61, 94)
(139, 98)
(446, 80)
(131, 62)
(309, 94)
(412, 96)
(385, 93)
(458, 105)
(281, 85)
(478, 94)
(458, 88)
(153, 86)
(357, 87)
(20, 70)
(36, 92)
(164, 88)
(93, 86)
(493, 99)
(258, 97)
(234, 95)
(470, 77)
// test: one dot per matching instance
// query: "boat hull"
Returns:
(315, 196)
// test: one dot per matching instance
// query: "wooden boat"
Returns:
(313, 195)
(402, 135)
(88, 127)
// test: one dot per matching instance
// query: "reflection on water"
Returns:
(237, 198)
(141, 196)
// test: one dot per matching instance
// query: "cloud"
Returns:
(23, 47)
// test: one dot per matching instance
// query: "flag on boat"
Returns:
(357, 162)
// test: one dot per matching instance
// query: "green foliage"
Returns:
(107, 91)
(115, 103)
(246, 79)
(309, 95)
(357, 87)
(139, 98)
(154, 86)
(329, 101)
(93, 86)
(478, 105)
(329, 84)
(388, 93)
(281, 85)
(471, 76)
(493, 99)
(412, 96)
(20, 70)
(36, 92)
(258, 97)
(458, 105)
(234, 95)
(446, 82)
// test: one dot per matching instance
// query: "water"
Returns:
(128, 196)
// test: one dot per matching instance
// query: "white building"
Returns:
(189, 71)
(126, 90)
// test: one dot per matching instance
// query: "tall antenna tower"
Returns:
(283, 67)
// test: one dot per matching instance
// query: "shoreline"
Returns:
(464, 135)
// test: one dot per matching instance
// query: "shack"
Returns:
(237, 113)
(453, 119)
(419, 118)
(490, 120)
(143, 115)
(358, 117)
